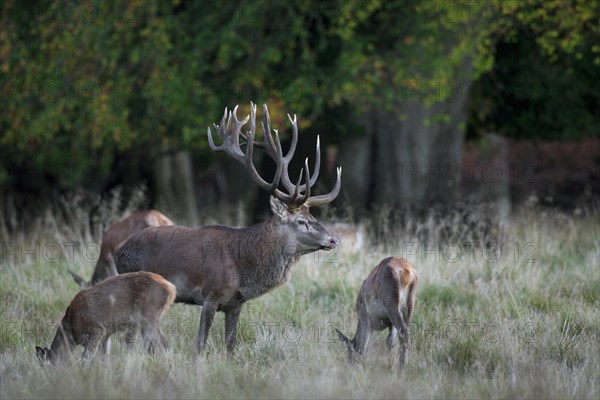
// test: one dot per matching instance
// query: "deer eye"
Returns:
(303, 222)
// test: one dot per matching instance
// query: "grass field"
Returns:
(518, 320)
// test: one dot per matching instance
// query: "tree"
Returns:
(95, 94)
(545, 79)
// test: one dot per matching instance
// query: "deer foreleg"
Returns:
(206, 319)
(92, 343)
(231, 321)
(362, 337)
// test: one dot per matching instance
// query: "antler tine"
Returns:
(237, 127)
(252, 130)
(230, 129)
(270, 187)
(322, 200)
(279, 168)
(224, 121)
(267, 143)
(266, 126)
(220, 129)
(273, 148)
(285, 179)
(296, 192)
(307, 177)
(211, 143)
(315, 175)
(290, 154)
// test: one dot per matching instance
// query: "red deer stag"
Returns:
(116, 304)
(220, 267)
(113, 237)
(385, 300)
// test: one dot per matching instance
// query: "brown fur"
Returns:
(114, 236)
(116, 304)
(221, 267)
(380, 305)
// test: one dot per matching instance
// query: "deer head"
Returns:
(353, 355)
(290, 205)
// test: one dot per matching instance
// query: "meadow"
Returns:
(512, 312)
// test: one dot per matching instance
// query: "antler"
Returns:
(299, 194)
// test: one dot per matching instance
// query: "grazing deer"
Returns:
(385, 300)
(220, 267)
(116, 304)
(113, 237)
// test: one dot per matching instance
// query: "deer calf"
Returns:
(116, 304)
(385, 300)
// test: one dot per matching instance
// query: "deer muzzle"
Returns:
(330, 244)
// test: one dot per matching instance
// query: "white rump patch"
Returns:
(402, 296)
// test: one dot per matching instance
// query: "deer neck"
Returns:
(265, 257)
(63, 341)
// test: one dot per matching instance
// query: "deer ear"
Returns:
(343, 338)
(40, 353)
(78, 280)
(279, 208)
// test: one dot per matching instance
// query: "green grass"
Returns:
(481, 328)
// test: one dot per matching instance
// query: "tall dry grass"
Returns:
(509, 309)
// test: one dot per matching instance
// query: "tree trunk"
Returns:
(174, 177)
(405, 158)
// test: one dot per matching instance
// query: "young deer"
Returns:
(385, 300)
(113, 236)
(116, 304)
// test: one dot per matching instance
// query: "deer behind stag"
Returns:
(113, 237)
(220, 267)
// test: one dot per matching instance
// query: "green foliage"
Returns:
(544, 82)
(90, 82)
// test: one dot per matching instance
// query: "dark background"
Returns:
(423, 103)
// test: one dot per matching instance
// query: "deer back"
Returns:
(392, 281)
(213, 261)
(118, 233)
(118, 300)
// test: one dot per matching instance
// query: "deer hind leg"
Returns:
(131, 331)
(391, 339)
(153, 339)
(151, 333)
(104, 350)
(400, 325)
(158, 340)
